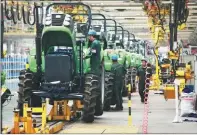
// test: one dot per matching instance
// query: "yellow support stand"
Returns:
(61, 110)
(29, 125)
(129, 105)
(28, 128)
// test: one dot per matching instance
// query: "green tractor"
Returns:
(124, 57)
(108, 76)
(116, 46)
(100, 28)
(57, 69)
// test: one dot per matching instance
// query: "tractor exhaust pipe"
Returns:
(81, 64)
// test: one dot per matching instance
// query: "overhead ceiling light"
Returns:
(129, 18)
(126, 1)
(120, 10)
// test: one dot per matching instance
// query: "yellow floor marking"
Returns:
(121, 130)
(100, 128)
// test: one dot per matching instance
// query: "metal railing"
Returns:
(11, 65)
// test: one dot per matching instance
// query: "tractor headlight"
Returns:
(66, 19)
(48, 20)
(66, 23)
(68, 16)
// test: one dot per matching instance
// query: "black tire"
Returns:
(26, 85)
(99, 101)
(133, 74)
(127, 81)
(98, 107)
(109, 80)
(90, 97)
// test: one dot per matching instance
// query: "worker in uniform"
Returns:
(119, 71)
(141, 77)
(95, 51)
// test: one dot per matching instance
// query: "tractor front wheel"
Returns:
(90, 97)
(26, 85)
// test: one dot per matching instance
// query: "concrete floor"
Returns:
(160, 118)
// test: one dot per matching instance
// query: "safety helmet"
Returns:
(92, 33)
(144, 59)
(114, 57)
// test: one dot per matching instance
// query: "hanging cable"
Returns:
(7, 11)
(13, 13)
(18, 10)
(29, 14)
(23, 15)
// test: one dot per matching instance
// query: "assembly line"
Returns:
(82, 74)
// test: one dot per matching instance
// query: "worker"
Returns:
(119, 71)
(95, 51)
(141, 74)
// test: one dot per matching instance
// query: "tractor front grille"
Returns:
(57, 21)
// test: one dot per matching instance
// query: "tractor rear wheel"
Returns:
(109, 80)
(26, 85)
(90, 97)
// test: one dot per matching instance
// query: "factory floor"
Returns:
(160, 117)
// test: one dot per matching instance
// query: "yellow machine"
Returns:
(156, 18)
